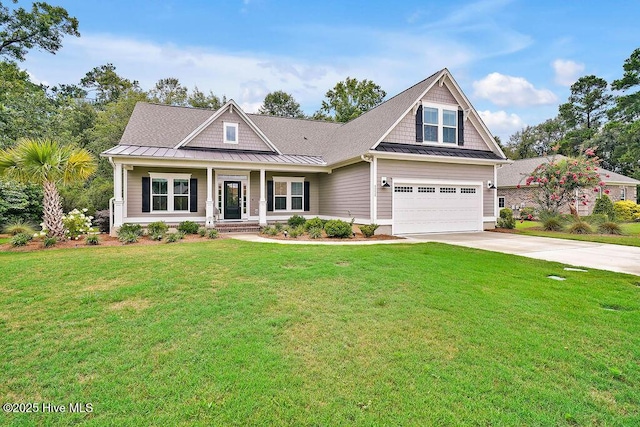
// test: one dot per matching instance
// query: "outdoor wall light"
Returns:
(491, 185)
(384, 182)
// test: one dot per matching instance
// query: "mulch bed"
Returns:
(105, 240)
(357, 237)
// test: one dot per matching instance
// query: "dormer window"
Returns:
(230, 133)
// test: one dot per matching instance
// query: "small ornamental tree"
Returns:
(561, 180)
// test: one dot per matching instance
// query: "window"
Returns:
(440, 124)
(447, 190)
(467, 191)
(403, 189)
(280, 194)
(426, 189)
(159, 194)
(501, 202)
(230, 133)
(431, 124)
(169, 192)
(288, 194)
(623, 193)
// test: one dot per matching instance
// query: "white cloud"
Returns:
(505, 90)
(567, 71)
(501, 123)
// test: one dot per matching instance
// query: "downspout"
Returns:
(373, 199)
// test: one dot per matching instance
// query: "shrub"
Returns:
(595, 219)
(604, 206)
(130, 228)
(296, 221)
(580, 227)
(296, 231)
(506, 219)
(315, 232)
(157, 236)
(19, 226)
(157, 227)
(552, 223)
(278, 227)
(202, 231)
(188, 227)
(174, 237)
(48, 242)
(625, 210)
(76, 223)
(610, 227)
(101, 220)
(212, 233)
(338, 228)
(21, 239)
(128, 236)
(314, 223)
(92, 239)
(270, 230)
(527, 214)
(369, 230)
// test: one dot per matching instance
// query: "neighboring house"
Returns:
(511, 176)
(420, 162)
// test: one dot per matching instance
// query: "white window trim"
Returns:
(288, 180)
(623, 193)
(440, 108)
(225, 125)
(503, 202)
(169, 177)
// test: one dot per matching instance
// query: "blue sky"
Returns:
(514, 59)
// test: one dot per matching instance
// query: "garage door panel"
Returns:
(443, 208)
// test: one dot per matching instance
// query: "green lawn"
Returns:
(236, 333)
(631, 235)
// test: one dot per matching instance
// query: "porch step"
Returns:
(237, 227)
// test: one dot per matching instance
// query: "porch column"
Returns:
(118, 203)
(262, 211)
(210, 221)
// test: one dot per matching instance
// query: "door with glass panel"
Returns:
(232, 197)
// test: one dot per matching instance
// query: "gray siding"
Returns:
(314, 188)
(405, 131)
(212, 136)
(134, 191)
(429, 170)
(346, 191)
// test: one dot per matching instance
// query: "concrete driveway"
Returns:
(622, 259)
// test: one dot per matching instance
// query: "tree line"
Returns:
(92, 114)
(597, 114)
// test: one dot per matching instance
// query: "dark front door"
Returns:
(232, 195)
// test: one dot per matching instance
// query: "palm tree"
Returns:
(46, 162)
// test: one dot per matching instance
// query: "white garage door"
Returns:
(436, 208)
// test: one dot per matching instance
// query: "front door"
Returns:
(232, 196)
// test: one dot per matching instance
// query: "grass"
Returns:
(631, 236)
(234, 333)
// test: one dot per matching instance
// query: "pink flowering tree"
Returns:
(566, 181)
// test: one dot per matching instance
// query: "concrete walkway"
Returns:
(618, 258)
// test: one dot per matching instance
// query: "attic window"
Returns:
(230, 133)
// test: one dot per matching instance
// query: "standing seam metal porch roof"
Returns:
(215, 155)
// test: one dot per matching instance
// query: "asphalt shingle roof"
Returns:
(153, 125)
(516, 173)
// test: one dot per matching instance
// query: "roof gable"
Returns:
(444, 89)
(209, 134)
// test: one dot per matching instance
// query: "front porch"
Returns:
(211, 196)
